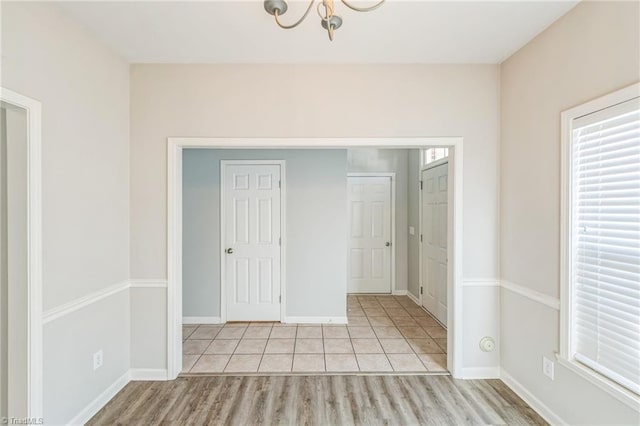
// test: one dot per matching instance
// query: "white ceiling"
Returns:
(242, 32)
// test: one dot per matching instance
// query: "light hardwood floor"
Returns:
(316, 400)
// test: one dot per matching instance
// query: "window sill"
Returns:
(622, 394)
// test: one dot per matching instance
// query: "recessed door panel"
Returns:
(251, 241)
(369, 234)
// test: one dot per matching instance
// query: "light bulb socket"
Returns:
(273, 6)
(335, 22)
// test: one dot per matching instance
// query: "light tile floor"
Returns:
(384, 334)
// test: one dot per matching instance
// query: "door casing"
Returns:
(283, 221)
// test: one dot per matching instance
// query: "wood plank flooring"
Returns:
(316, 400)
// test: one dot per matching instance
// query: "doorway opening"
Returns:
(20, 260)
(296, 310)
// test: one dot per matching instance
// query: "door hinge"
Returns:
(279, 299)
(420, 289)
(420, 237)
(421, 185)
(280, 241)
(280, 184)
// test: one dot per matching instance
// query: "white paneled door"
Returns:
(434, 240)
(369, 234)
(251, 236)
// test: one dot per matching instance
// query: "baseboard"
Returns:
(413, 298)
(400, 292)
(473, 373)
(141, 374)
(96, 405)
(315, 320)
(201, 320)
(544, 411)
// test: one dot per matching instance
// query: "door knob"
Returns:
(387, 244)
(229, 251)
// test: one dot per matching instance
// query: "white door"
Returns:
(369, 235)
(251, 224)
(434, 241)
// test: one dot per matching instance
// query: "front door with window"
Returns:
(251, 235)
(369, 234)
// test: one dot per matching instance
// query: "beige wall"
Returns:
(591, 51)
(314, 101)
(84, 90)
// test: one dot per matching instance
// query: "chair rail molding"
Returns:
(536, 296)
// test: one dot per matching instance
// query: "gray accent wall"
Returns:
(316, 229)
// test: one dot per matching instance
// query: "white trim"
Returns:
(414, 298)
(565, 305)
(399, 292)
(174, 212)
(528, 397)
(83, 302)
(100, 401)
(619, 392)
(147, 283)
(147, 374)
(475, 373)
(35, 360)
(392, 176)
(283, 233)
(315, 320)
(201, 320)
(482, 282)
(534, 295)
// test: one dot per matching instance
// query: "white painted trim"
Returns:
(534, 295)
(528, 397)
(315, 320)
(619, 392)
(100, 401)
(174, 218)
(83, 302)
(147, 374)
(283, 233)
(475, 373)
(147, 283)
(201, 320)
(566, 184)
(35, 360)
(414, 298)
(482, 282)
(392, 176)
(399, 292)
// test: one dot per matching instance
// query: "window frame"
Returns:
(566, 357)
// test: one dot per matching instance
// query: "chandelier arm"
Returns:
(363, 9)
(288, 27)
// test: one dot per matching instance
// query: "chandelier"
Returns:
(328, 19)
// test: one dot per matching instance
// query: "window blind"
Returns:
(605, 240)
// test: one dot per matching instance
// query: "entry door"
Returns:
(434, 241)
(251, 203)
(369, 235)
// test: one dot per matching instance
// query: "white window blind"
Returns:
(605, 242)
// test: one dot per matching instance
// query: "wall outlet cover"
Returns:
(412, 230)
(97, 360)
(548, 367)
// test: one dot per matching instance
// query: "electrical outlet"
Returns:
(97, 360)
(547, 367)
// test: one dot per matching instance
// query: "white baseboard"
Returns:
(141, 374)
(400, 292)
(473, 373)
(315, 320)
(538, 406)
(96, 405)
(413, 298)
(201, 320)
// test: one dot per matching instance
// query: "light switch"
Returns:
(412, 230)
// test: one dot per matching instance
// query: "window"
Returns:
(600, 309)
(430, 155)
